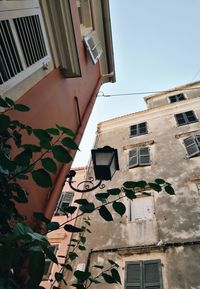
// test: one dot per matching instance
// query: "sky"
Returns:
(156, 47)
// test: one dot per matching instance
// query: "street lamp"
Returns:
(105, 164)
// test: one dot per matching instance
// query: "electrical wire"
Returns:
(102, 94)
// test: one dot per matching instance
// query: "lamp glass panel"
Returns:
(103, 159)
(113, 167)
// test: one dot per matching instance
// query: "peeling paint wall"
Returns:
(176, 218)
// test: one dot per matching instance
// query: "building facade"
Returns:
(54, 56)
(157, 241)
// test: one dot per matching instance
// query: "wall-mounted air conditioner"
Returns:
(93, 45)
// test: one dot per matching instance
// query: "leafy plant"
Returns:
(23, 247)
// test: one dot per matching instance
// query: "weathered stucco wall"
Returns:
(176, 218)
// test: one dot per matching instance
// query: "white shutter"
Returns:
(144, 156)
(133, 158)
(93, 45)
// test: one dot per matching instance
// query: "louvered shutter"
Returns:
(152, 275)
(133, 158)
(142, 128)
(133, 275)
(191, 145)
(144, 156)
(133, 130)
(180, 118)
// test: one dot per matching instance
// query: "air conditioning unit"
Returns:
(93, 45)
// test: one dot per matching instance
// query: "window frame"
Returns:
(16, 9)
(185, 117)
(176, 97)
(138, 156)
(141, 265)
(195, 142)
(137, 128)
(133, 204)
(51, 263)
(66, 197)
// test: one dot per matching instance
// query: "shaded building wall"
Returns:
(174, 231)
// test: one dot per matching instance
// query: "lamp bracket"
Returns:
(87, 184)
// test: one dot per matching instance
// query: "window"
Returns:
(49, 263)
(177, 97)
(93, 46)
(143, 275)
(192, 145)
(185, 117)
(23, 47)
(139, 157)
(65, 201)
(138, 129)
(141, 209)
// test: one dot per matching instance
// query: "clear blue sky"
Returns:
(156, 47)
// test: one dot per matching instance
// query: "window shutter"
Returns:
(152, 274)
(133, 275)
(142, 128)
(180, 119)
(144, 156)
(191, 145)
(133, 130)
(65, 201)
(191, 117)
(133, 158)
(93, 45)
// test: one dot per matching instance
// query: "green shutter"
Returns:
(152, 274)
(144, 156)
(133, 275)
(191, 145)
(133, 158)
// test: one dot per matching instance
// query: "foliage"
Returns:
(20, 245)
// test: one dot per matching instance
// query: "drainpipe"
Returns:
(60, 181)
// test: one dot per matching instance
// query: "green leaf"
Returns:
(105, 214)
(50, 254)
(61, 154)
(146, 193)
(114, 191)
(49, 164)
(67, 267)
(45, 144)
(70, 209)
(21, 107)
(22, 196)
(9, 101)
(169, 190)
(36, 265)
(82, 275)
(71, 228)
(130, 194)
(108, 279)
(53, 131)
(81, 201)
(41, 217)
(116, 275)
(17, 137)
(101, 196)
(42, 135)
(98, 266)
(89, 208)
(32, 147)
(66, 130)
(68, 142)
(113, 263)
(72, 256)
(130, 185)
(24, 158)
(78, 286)
(95, 281)
(52, 226)
(42, 178)
(3, 103)
(82, 248)
(22, 229)
(141, 184)
(4, 122)
(40, 238)
(83, 239)
(119, 208)
(6, 163)
(160, 181)
(59, 276)
(155, 187)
